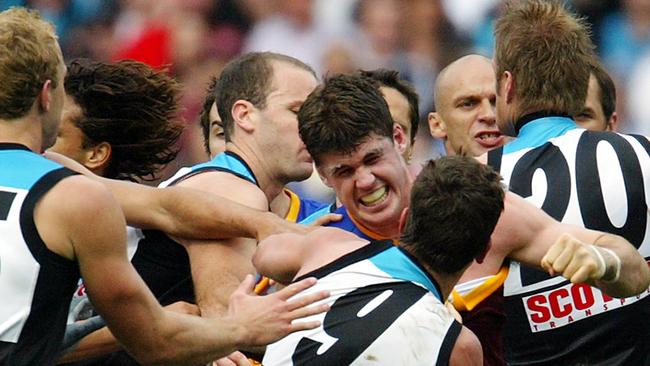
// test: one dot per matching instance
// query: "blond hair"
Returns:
(548, 52)
(29, 57)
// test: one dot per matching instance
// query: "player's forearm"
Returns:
(189, 340)
(218, 339)
(199, 215)
(634, 276)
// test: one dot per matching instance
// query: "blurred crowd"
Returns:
(195, 38)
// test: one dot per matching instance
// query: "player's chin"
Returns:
(302, 172)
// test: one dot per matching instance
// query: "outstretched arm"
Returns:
(576, 253)
(185, 212)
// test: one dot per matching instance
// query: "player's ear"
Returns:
(612, 124)
(437, 126)
(243, 115)
(98, 157)
(323, 177)
(402, 219)
(509, 86)
(399, 137)
(44, 97)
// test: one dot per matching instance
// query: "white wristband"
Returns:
(617, 271)
(602, 266)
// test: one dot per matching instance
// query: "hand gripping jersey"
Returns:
(598, 180)
(36, 284)
(385, 310)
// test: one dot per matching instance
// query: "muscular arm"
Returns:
(280, 257)
(529, 239)
(190, 213)
(185, 212)
(102, 341)
(89, 227)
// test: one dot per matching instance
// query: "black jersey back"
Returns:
(600, 181)
(36, 284)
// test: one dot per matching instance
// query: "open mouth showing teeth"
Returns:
(489, 136)
(375, 197)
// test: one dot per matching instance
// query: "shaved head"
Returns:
(464, 118)
(447, 77)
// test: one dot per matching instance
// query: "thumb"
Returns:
(247, 285)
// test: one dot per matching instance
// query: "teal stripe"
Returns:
(224, 160)
(536, 133)
(21, 169)
(399, 266)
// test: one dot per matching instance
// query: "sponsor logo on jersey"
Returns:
(570, 303)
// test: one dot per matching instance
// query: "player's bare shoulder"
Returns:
(76, 203)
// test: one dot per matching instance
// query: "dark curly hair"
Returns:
(133, 108)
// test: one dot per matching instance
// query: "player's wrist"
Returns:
(238, 333)
(609, 264)
(613, 265)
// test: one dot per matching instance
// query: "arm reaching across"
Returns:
(607, 261)
(188, 213)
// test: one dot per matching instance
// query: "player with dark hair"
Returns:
(394, 294)
(121, 118)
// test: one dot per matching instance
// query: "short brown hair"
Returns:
(341, 114)
(391, 79)
(548, 51)
(248, 77)
(454, 206)
(130, 106)
(29, 56)
(607, 95)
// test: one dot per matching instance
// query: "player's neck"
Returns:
(445, 281)
(25, 131)
(281, 204)
(256, 162)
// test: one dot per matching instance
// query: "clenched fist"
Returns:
(580, 262)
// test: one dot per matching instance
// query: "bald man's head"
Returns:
(464, 98)
(451, 71)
